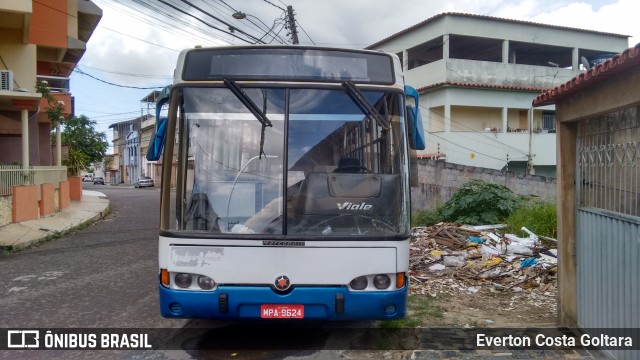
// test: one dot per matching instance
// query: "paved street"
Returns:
(104, 276)
(101, 276)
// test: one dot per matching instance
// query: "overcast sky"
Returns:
(136, 47)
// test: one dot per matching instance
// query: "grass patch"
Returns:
(419, 308)
(425, 218)
(539, 217)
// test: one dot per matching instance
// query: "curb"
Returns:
(53, 234)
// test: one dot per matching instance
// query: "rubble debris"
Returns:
(450, 259)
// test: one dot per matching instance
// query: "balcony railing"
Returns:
(57, 84)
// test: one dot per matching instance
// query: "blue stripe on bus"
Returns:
(244, 302)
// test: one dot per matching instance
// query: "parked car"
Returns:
(87, 177)
(143, 182)
(98, 180)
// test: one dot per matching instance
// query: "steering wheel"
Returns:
(376, 224)
(352, 169)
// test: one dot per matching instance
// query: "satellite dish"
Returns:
(585, 62)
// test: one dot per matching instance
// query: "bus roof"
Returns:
(288, 64)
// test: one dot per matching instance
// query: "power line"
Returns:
(256, 26)
(179, 31)
(229, 25)
(473, 130)
(202, 21)
(112, 114)
(129, 74)
(304, 31)
(78, 70)
(275, 35)
(272, 4)
(229, 6)
(133, 37)
(464, 147)
(171, 17)
(58, 10)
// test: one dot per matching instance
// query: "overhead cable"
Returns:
(78, 70)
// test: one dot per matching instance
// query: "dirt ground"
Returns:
(491, 309)
(463, 297)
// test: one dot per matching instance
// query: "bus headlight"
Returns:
(381, 282)
(205, 282)
(359, 283)
(183, 280)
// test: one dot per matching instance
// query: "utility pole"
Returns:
(292, 25)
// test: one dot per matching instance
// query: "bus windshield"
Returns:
(326, 166)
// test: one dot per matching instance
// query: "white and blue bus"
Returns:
(289, 194)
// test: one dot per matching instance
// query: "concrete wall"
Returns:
(63, 195)
(5, 210)
(24, 203)
(490, 150)
(489, 73)
(47, 199)
(439, 180)
(49, 24)
(19, 58)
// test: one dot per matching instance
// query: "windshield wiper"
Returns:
(248, 103)
(251, 106)
(364, 104)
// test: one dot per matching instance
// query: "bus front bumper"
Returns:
(246, 302)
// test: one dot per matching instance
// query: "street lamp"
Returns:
(239, 15)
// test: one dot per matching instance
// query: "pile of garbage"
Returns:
(448, 258)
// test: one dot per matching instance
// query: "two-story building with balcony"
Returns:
(39, 41)
(477, 76)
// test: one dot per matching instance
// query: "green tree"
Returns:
(108, 162)
(75, 162)
(81, 136)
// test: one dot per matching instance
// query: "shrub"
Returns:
(478, 202)
(539, 217)
(425, 218)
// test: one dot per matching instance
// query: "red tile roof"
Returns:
(482, 86)
(492, 18)
(627, 59)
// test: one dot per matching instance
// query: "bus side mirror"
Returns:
(414, 120)
(156, 143)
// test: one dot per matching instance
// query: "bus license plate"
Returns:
(281, 311)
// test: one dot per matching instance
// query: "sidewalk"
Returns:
(93, 206)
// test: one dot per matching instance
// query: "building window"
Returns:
(548, 120)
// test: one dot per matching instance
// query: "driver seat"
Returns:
(349, 165)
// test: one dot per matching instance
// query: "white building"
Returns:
(477, 77)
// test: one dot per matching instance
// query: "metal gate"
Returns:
(608, 222)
